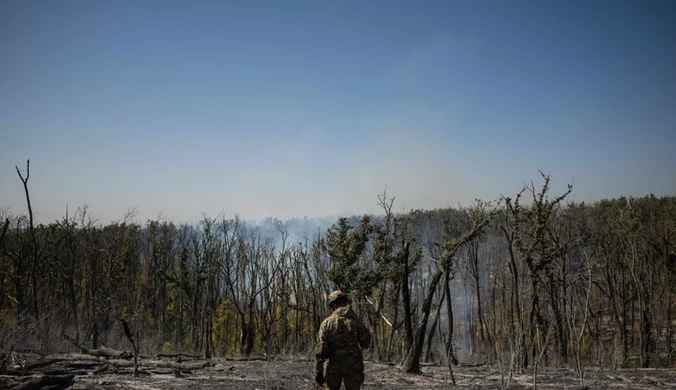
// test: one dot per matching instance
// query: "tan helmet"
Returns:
(337, 295)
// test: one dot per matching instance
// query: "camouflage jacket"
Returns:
(340, 337)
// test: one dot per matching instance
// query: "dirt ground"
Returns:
(298, 375)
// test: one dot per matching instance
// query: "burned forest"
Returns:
(517, 287)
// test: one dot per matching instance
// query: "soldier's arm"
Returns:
(322, 350)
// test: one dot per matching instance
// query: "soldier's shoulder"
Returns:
(329, 320)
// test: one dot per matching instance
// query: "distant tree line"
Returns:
(528, 280)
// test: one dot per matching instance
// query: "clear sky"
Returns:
(310, 108)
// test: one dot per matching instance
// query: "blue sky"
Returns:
(292, 108)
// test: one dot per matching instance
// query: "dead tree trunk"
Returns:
(2, 258)
(561, 343)
(517, 315)
(395, 318)
(452, 359)
(406, 297)
(134, 343)
(411, 364)
(5, 227)
(34, 282)
(433, 328)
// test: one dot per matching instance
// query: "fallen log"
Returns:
(175, 355)
(87, 365)
(107, 353)
(44, 380)
(67, 372)
(128, 371)
(247, 359)
(146, 364)
(43, 364)
(183, 366)
(141, 363)
(77, 369)
(100, 370)
(162, 372)
(472, 364)
(13, 372)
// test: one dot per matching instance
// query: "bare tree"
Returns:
(411, 363)
(34, 271)
(529, 226)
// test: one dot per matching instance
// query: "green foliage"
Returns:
(346, 246)
(530, 224)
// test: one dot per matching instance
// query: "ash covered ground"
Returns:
(297, 375)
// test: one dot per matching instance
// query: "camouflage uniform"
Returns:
(338, 353)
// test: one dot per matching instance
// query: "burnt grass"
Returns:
(299, 374)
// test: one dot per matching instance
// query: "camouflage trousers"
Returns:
(349, 373)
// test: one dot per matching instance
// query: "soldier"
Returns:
(339, 356)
